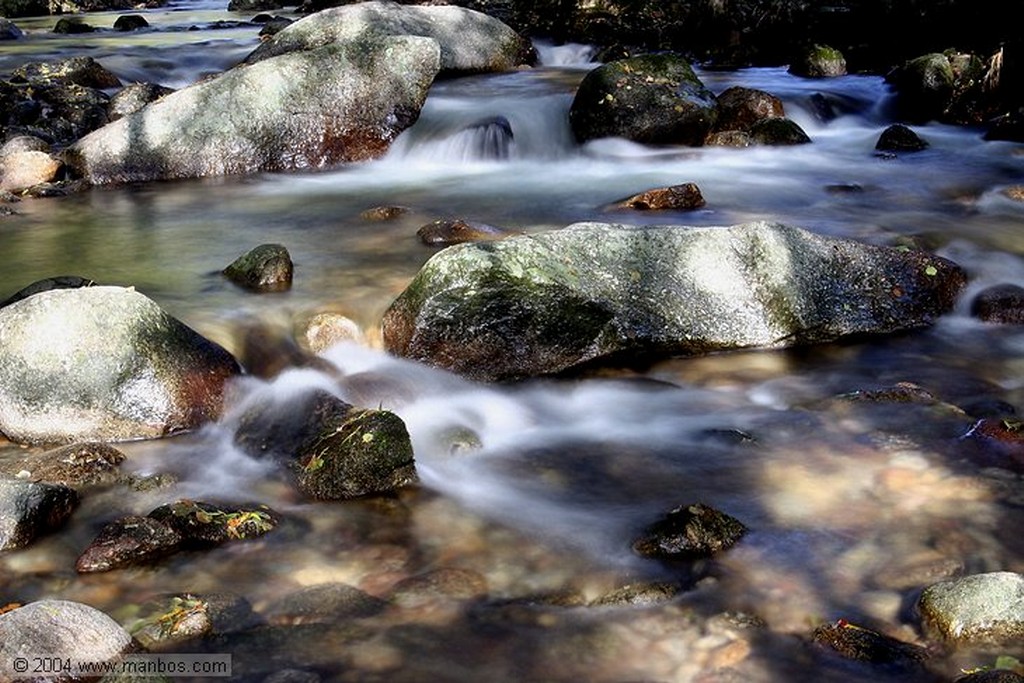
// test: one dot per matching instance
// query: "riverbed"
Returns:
(852, 507)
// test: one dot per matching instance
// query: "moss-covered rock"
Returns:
(265, 268)
(924, 87)
(819, 61)
(593, 292)
(653, 99)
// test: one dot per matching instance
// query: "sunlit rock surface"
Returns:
(544, 303)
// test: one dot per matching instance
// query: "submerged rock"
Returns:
(335, 450)
(323, 603)
(266, 268)
(59, 630)
(203, 525)
(651, 99)
(689, 532)
(104, 364)
(981, 608)
(345, 103)
(684, 197)
(592, 292)
(30, 509)
(77, 465)
(864, 645)
(171, 619)
(469, 41)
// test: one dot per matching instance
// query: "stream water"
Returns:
(852, 508)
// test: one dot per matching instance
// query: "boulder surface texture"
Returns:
(544, 303)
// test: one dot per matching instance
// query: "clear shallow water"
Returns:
(852, 508)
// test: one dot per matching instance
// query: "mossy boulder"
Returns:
(819, 61)
(924, 87)
(604, 293)
(652, 99)
(265, 268)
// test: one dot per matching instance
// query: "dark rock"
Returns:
(84, 108)
(446, 232)
(864, 645)
(469, 41)
(981, 608)
(778, 131)
(384, 213)
(171, 619)
(8, 30)
(254, 5)
(819, 61)
(322, 603)
(1000, 442)
(684, 197)
(924, 87)
(83, 71)
(30, 509)
(740, 108)
(591, 292)
(375, 88)
(203, 525)
(47, 284)
(991, 676)
(689, 533)
(120, 369)
(729, 138)
(266, 268)
(1000, 304)
(131, 541)
(900, 138)
(134, 97)
(130, 22)
(274, 26)
(61, 630)
(335, 450)
(78, 465)
(652, 99)
(640, 594)
(72, 25)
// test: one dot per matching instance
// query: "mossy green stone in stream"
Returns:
(266, 268)
(359, 453)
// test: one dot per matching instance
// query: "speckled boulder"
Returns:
(985, 608)
(104, 364)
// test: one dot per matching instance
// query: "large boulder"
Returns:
(104, 363)
(980, 608)
(308, 109)
(58, 631)
(470, 41)
(544, 303)
(924, 87)
(652, 99)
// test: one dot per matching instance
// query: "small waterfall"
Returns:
(567, 55)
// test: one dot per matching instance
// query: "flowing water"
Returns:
(852, 507)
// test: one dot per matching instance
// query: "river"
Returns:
(852, 508)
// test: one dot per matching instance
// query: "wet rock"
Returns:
(45, 285)
(684, 197)
(740, 108)
(864, 645)
(323, 603)
(981, 608)
(130, 22)
(21, 170)
(446, 232)
(30, 509)
(924, 87)
(203, 525)
(61, 630)
(991, 676)
(77, 465)
(375, 90)
(819, 61)
(592, 292)
(131, 541)
(900, 138)
(84, 109)
(134, 97)
(1000, 442)
(384, 213)
(652, 99)
(266, 268)
(254, 5)
(273, 26)
(469, 41)
(689, 533)
(325, 330)
(446, 583)
(729, 138)
(778, 131)
(83, 71)
(640, 595)
(171, 619)
(104, 364)
(1014, 192)
(335, 450)
(8, 30)
(72, 25)
(1000, 304)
